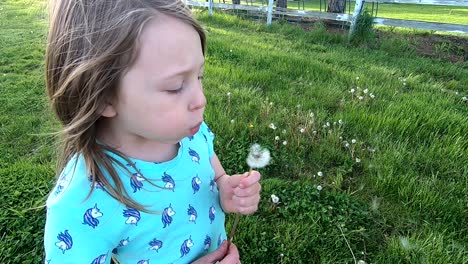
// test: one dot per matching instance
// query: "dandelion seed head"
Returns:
(358, 160)
(366, 91)
(340, 122)
(271, 103)
(320, 174)
(228, 94)
(258, 156)
(272, 126)
(357, 78)
(314, 132)
(361, 97)
(328, 124)
(274, 199)
(464, 99)
(319, 187)
(284, 131)
(230, 50)
(302, 130)
(285, 142)
(372, 95)
(277, 138)
(346, 144)
(232, 121)
(361, 262)
(352, 90)
(353, 141)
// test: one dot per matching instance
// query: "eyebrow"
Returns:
(183, 72)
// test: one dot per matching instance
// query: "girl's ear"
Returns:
(109, 111)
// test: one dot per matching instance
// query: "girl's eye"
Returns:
(177, 91)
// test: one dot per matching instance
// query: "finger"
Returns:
(234, 180)
(232, 256)
(253, 178)
(218, 254)
(248, 210)
(240, 202)
(249, 191)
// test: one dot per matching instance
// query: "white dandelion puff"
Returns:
(272, 126)
(319, 187)
(464, 99)
(311, 115)
(258, 157)
(284, 131)
(361, 262)
(229, 94)
(361, 97)
(366, 91)
(285, 142)
(320, 174)
(277, 138)
(371, 95)
(271, 103)
(340, 122)
(232, 121)
(352, 90)
(357, 78)
(275, 199)
(358, 160)
(302, 130)
(353, 141)
(314, 132)
(347, 144)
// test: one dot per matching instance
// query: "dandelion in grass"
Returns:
(372, 95)
(320, 174)
(302, 130)
(232, 121)
(353, 141)
(257, 158)
(272, 126)
(275, 199)
(314, 132)
(464, 99)
(340, 122)
(319, 187)
(285, 143)
(357, 78)
(352, 90)
(284, 131)
(366, 91)
(228, 94)
(361, 98)
(251, 125)
(361, 262)
(277, 138)
(358, 160)
(375, 204)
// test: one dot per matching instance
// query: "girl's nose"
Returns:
(198, 100)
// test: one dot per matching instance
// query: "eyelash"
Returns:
(200, 78)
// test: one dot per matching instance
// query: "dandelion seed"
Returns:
(353, 141)
(361, 97)
(281, 255)
(229, 94)
(319, 187)
(320, 174)
(347, 144)
(277, 138)
(232, 121)
(357, 78)
(341, 138)
(464, 99)
(375, 204)
(328, 124)
(340, 122)
(366, 91)
(258, 157)
(358, 160)
(285, 142)
(275, 199)
(352, 90)
(302, 130)
(404, 241)
(272, 126)
(371, 95)
(271, 103)
(230, 50)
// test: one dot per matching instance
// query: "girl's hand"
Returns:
(240, 193)
(227, 253)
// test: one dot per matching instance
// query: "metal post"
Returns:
(210, 7)
(270, 12)
(357, 12)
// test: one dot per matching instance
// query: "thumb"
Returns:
(235, 180)
(218, 254)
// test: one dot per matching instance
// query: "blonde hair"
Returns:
(91, 43)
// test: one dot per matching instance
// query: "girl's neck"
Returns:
(151, 151)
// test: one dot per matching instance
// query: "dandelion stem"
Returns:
(352, 253)
(236, 220)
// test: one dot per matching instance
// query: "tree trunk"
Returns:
(236, 2)
(282, 3)
(336, 6)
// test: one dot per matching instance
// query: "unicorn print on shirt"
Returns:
(220, 240)
(97, 184)
(207, 243)
(99, 260)
(124, 242)
(167, 216)
(155, 244)
(65, 241)
(212, 184)
(194, 155)
(143, 261)
(211, 214)
(91, 216)
(192, 214)
(63, 182)
(132, 215)
(196, 184)
(185, 248)
(136, 181)
(168, 182)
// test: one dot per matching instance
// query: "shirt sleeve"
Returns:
(209, 137)
(79, 230)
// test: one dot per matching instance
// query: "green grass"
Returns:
(429, 13)
(403, 202)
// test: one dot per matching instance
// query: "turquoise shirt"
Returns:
(190, 222)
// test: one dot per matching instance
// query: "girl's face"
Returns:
(160, 99)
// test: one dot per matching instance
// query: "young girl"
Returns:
(138, 177)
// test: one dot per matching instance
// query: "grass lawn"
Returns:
(429, 13)
(369, 154)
